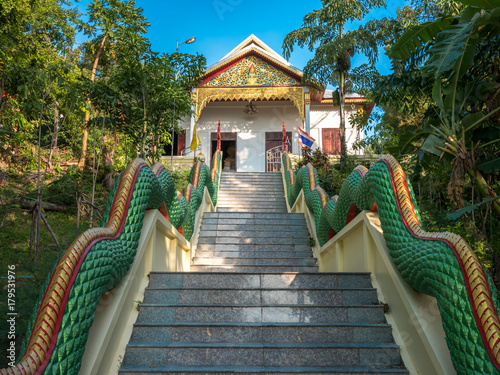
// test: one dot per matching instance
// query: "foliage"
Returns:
(181, 178)
(331, 174)
(462, 93)
(325, 31)
(148, 83)
(14, 243)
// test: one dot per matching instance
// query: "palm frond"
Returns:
(418, 36)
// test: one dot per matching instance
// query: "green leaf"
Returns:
(465, 210)
(454, 48)
(472, 120)
(489, 133)
(490, 166)
(485, 4)
(437, 94)
(406, 139)
(430, 144)
(416, 37)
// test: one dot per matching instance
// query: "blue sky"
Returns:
(220, 25)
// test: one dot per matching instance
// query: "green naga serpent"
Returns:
(99, 258)
(439, 264)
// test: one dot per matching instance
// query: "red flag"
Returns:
(218, 136)
(284, 137)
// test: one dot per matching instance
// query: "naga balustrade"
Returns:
(376, 209)
(98, 260)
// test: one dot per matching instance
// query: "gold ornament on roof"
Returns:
(252, 80)
(243, 74)
(205, 95)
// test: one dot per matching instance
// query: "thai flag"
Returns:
(305, 139)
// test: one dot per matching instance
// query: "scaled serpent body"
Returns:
(439, 264)
(99, 258)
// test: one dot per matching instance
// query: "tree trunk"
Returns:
(39, 187)
(53, 147)
(108, 154)
(144, 119)
(2, 85)
(484, 189)
(81, 162)
(343, 147)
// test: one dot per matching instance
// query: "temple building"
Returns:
(252, 90)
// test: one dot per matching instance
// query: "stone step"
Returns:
(256, 179)
(259, 202)
(270, 206)
(262, 332)
(246, 370)
(162, 313)
(249, 200)
(287, 215)
(216, 261)
(254, 185)
(251, 210)
(283, 226)
(324, 280)
(228, 181)
(282, 223)
(271, 354)
(255, 240)
(251, 180)
(252, 269)
(253, 247)
(277, 233)
(245, 187)
(254, 254)
(257, 297)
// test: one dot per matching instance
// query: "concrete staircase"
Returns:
(254, 302)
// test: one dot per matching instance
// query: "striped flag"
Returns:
(305, 139)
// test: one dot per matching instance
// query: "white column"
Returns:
(307, 101)
(189, 137)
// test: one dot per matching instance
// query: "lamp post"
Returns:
(189, 41)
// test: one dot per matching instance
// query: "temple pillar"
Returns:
(307, 117)
(189, 137)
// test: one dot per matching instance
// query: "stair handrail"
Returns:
(100, 257)
(442, 265)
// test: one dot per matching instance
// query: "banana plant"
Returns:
(457, 90)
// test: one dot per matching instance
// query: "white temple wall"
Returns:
(322, 118)
(251, 129)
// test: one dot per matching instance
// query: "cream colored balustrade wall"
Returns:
(161, 248)
(414, 317)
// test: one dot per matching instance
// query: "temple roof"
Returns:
(252, 63)
(272, 68)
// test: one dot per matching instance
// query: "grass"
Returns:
(15, 229)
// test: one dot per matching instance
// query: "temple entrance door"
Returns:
(228, 148)
(331, 140)
(179, 144)
(273, 140)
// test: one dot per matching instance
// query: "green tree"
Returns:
(460, 56)
(107, 18)
(325, 31)
(150, 86)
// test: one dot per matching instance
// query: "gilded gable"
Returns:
(252, 71)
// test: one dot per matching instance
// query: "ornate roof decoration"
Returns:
(205, 95)
(252, 71)
(252, 47)
(252, 40)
